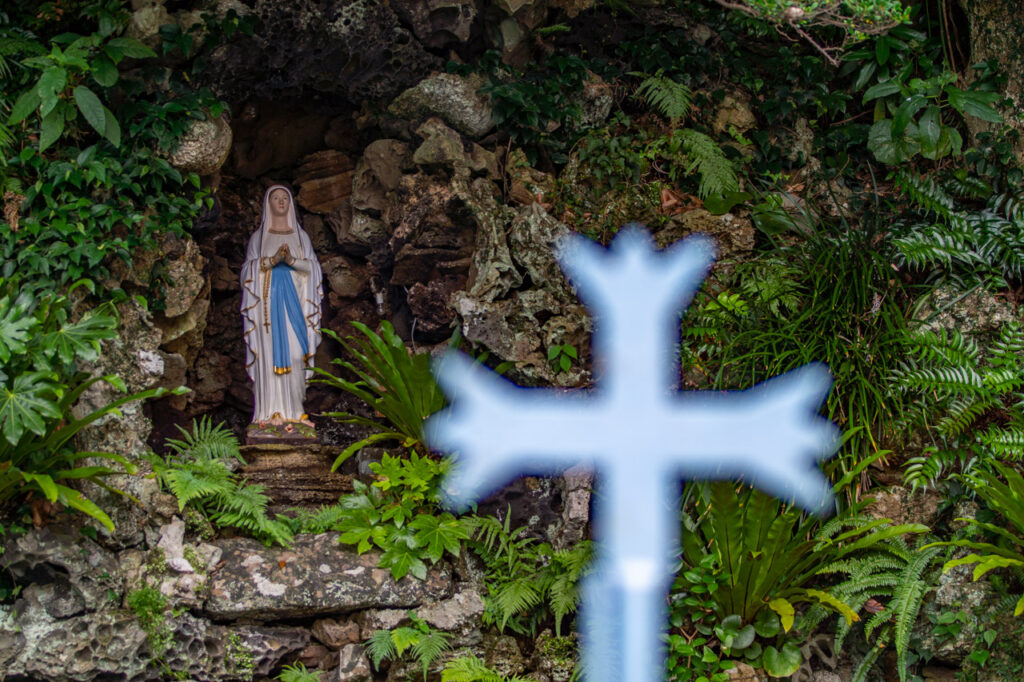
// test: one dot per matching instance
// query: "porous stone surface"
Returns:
(437, 23)
(103, 644)
(204, 147)
(70, 573)
(452, 98)
(332, 53)
(315, 576)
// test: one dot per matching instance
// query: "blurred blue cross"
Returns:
(639, 432)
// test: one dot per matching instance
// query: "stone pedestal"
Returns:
(294, 475)
(289, 433)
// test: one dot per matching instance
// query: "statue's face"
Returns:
(279, 201)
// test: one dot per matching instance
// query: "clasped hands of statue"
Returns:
(283, 255)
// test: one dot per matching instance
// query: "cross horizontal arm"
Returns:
(500, 431)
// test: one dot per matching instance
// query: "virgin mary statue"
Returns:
(281, 293)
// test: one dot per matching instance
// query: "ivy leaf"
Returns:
(91, 107)
(51, 129)
(27, 404)
(782, 663)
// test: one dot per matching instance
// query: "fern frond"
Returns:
(380, 647)
(716, 172)
(429, 647)
(669, 98)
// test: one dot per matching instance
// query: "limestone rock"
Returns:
(344, 277)
(733, 112)
(295, 475)
(210, 653)
(743, 672)
(381, 619)
(533, 239)
(70, 573)
(441, 145)
(733, 235)
(555, 657)
(903, 506)
(324, 180)
(352, 666)
(334, 54)
(977, 312)
(452, 98)
(204, 147)
(335, 634)
(89, 646)
(146, 21)
(460, 614)
(378, 172)
(437, 23)
(315, 576)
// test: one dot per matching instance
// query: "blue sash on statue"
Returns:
(284, 301)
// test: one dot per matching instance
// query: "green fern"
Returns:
(527, 579)
(716, 172)
(472, 669)
(424, 643)
(668, 97)
(950, 385)
(196, 472)
(961, 244)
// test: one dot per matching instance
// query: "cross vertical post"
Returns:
(639, 432)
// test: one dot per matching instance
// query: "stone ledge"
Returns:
(316, 576)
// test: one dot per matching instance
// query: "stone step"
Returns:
(295, 475)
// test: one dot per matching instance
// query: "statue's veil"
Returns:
(294, 242)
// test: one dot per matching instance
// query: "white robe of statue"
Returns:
(279, 391)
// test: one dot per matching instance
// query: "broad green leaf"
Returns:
(438, 534)
(112, 129)
(905, 113)
(130, 47)
(45, 484)
(73, 498)
(1019, 608)
(890, 149)
(23, 108)
(27, 405)
(720, 204)
(881, 90)
(929, 128)
(91, 107)
(51, 129)
(50, 85)
(782, 663)
(104, 72)
(785, 610)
